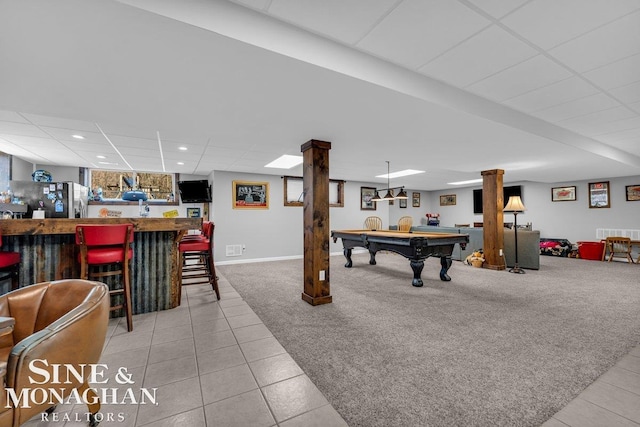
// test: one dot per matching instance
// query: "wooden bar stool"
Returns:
(197, 257)
(105, 250)
(10, 267)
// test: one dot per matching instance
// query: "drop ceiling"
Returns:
(548, 90)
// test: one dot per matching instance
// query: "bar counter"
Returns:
(49, 252)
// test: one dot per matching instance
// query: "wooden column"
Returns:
(316, 221)
(493, 219)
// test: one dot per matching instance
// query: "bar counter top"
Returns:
(31, 227)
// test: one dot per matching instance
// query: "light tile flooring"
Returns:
(213, 363)
(216, 364)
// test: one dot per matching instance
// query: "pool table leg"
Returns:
(416, 266)
(372, 258)
(445, 262)
(347, 255)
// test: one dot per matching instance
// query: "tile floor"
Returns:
(216, 364)
(213, 364)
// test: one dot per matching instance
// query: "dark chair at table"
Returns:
(105, 250)
(10, 267)
(196, 251)
(63, 323)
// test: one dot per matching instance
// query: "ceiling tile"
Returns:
(564, 20)
(591, 124)
(484, 54)
(417, 31)
(576, 108)
(554, 94)
(12, 128)
(57, 122)
(532, 74)
(498, 8)
(631, 134)
(347, 21)
(12, 116)
(628, 93)
(620, 73)
(635, 106)
(604, 45)
(618, 126)
(254, 4)
(65, 134)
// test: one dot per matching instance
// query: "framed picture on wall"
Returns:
(448, 200)
(415, 200)
(193, 212)
(599, 195)
(563, 194)
(403, 203)
(250, 195)
(366, 198)
(633, 193)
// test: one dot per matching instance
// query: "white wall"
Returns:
(275, 232)
(21, 170)
(570, 220)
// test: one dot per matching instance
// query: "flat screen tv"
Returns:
(195, 191)
(514, 190)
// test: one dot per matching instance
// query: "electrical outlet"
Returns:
(322, 275)
(501, 254)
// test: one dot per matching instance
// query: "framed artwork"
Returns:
(193, 212)
(563, 194)
(403, 203)
(599, 195)
(633, 193)
(448, 200)
(250, 195)
(366, 196)
(415, 200)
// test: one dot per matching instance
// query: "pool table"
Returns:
(416, 246)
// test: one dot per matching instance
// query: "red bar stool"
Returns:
(196, 251)
(105, 250)
(10, 267)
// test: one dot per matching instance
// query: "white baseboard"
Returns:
(280, 258)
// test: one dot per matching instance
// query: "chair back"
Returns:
(373, 223)
(207, 229)
(104, 234)
(405, 223)
(618, 247)
(62, 322)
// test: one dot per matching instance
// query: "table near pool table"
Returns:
(413, 245)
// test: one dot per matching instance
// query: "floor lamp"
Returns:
(515, 205)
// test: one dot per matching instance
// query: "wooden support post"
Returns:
(315, 181)
(493, 219)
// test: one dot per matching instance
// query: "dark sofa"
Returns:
(528, 244)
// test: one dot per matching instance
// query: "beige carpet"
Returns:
(486, 349)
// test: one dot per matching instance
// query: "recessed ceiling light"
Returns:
(398, 174)
(181, 163)
(285, 162)
(100, 156)
(78, 136)
(182, 148)
(108, 163)
(471, 181)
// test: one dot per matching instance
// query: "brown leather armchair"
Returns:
(62, 322)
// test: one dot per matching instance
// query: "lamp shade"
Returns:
(514, 205)
(402, 194)
(377, 197)
(389, 195)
